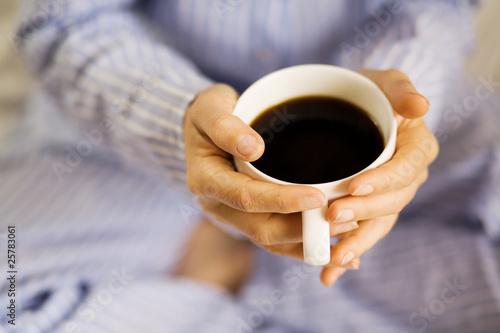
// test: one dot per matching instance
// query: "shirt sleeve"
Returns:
(112, 77)
(427, 40)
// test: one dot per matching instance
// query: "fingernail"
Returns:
(353, 265)
(419, 94)
(347, 258)
(247, 145)
(344, 215)
(314, 201)
(345, 227)
(363, 190)
(334, 276)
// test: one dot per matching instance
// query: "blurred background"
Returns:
(15, 82)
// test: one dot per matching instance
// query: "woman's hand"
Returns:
(268, 214)
(378, 195)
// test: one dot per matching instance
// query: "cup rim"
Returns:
(391, 137)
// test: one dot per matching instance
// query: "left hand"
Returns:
(378, 195)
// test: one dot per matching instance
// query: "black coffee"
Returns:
(315, 139)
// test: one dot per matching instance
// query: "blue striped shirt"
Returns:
(96, 204)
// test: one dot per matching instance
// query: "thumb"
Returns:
(404, 98)
(212, 115)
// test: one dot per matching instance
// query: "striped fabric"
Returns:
(91, 173)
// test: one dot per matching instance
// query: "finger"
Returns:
(337, 229)
(213, 117)
(296, 251)
(263, 229)
(411, 158)
(353, 264)
(267, 228)
(402, 95)
(329, 275)
(293, 250)
(354, 208)
(361, 239)
(217, 180)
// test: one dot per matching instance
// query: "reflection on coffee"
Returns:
(316, 139)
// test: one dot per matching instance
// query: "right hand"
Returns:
(268, 214)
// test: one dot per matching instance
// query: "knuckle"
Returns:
(398, 76)
(388, 180)
(245, 200)
(434, 148)
(412, 174)
(392, 179)
(212, 185)
(405, 175)
(262, 236)
(393, 72)
(220, 126)
(204, 94)
(430, 148)
(282, 203)
(226, 101)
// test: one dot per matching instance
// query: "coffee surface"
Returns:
(315, 139)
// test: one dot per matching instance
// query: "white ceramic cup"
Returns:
(318, 80)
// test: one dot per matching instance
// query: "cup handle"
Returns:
(316, 236)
